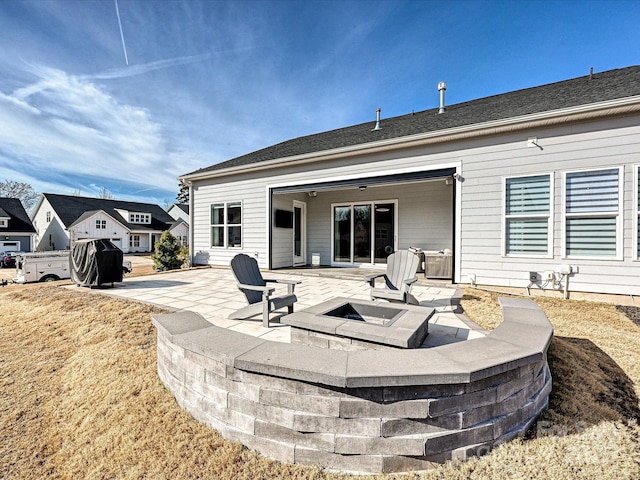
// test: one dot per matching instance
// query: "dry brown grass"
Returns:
(80, 398)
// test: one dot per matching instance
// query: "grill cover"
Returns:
(94, 262)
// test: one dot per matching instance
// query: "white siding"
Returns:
(113, 231)
(252, 193)
(594, 145)
(180, 231)
(50, 235)
(426, 209)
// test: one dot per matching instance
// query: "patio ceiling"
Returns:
(375, 181)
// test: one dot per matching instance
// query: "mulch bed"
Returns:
(632, 312)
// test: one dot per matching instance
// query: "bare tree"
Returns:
(105, 194)
(20, 190)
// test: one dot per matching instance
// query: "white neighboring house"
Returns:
(60, 220)
(180, 228)
(179, 211)
(539, 186)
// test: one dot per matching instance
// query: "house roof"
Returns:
(177, 223)
(589, 89)
(90, 213)
(182, 206)
(19, 221)
(70, 209)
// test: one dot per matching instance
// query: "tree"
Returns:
(20, 190)
(183, 194)
(105, 194)
(166, 253)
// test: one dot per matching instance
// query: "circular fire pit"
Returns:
(365, 410)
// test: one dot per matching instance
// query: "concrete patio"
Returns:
(212, 292)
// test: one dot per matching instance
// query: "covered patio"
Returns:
(360, 221)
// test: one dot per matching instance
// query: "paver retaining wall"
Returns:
(363, 411)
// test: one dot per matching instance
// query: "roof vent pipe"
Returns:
(442, 86)
(377, 127)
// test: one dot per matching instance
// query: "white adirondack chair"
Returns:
(398, 280)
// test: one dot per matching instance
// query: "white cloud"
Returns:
(71, 126)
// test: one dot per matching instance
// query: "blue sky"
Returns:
(208, 81)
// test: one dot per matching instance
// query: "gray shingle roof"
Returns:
(603, 86)
(19, 221)
(70, 208)
(183, 206)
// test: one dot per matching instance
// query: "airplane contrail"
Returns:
(124, 47)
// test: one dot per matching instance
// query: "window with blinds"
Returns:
(592, 211)
(527, 215)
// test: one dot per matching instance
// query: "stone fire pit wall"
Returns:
(361, 411)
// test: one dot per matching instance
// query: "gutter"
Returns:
(623, 106)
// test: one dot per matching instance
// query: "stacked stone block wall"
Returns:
(402, 425)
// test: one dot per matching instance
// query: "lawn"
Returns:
(80, 398)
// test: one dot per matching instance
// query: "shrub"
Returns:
(183, 255)
(166, 254)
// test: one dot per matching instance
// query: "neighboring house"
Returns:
(16, 229)
(180, 228)
(62, 219)
(179, 211)
(530, 181)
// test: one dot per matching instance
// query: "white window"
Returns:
(48, 217)
(527, 214)
(592, 213)
(139, 217)
(226, 224)
(182, 240)
(4, 223)
(101, 224)
(134, 241)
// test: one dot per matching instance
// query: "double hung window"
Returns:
(528, 215)
(226, 224)
(134, 241)
(592, 213)
(101, 224)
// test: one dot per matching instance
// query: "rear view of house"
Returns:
(537, 187)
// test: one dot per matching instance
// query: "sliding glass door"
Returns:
(364, 233)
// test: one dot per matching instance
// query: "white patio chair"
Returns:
(398, 280)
